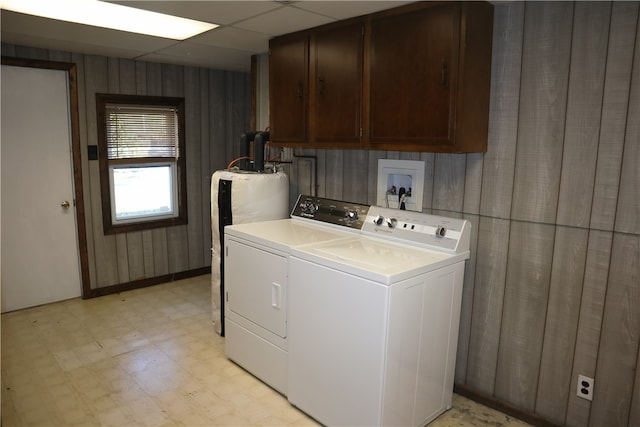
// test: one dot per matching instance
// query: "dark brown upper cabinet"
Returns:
(414, 78)
(289, 87)
(336, 81)
(316, 86)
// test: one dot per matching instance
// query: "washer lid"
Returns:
(375, 259)
(284, 233)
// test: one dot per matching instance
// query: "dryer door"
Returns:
(256, 285)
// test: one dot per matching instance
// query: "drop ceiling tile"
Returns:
(284, 20)
(76, 46)
(196, 54)
(347, 9)
(234, 38)
(218, 12)
(217, 63)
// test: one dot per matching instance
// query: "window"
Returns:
(142, 164)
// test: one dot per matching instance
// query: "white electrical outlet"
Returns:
(585, 387)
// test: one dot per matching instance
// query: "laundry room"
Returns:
(510, 146)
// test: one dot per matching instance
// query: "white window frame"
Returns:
(144, 217)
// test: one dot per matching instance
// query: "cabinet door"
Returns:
(288, 88)
(413, 76)
(336, 58)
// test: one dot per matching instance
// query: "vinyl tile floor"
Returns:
(147, 357)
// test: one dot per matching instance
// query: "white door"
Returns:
(39, 253)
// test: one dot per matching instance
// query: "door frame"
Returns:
(71, 70)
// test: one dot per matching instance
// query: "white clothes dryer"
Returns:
(256, 286)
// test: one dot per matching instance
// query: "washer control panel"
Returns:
(336, 212)
(437, 232)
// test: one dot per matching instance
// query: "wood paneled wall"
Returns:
(217, 112)
(552, 289)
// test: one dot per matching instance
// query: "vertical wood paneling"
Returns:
(177, 238)
(122, 257)
(628, 211)
(303, 180)
(634, 414)
(429, 160)
(320, 170)
(448, 180)
(555, 383)
(488, 297)
(624, 20)
(620, 337)
(217, 121)
(206, 169)
(106, 262)
(584, 106)
(466, 309)
(237, 120)
(84, 158)
(31, 52)
(590, 321)
(135, 255)
(372, 177)
(473, 183)
(334, 174)
(141, 78)
(524, 311)
(355, 188)
(194, 154)
(543, 94)
(55, 55)
(499, 161)
(9, 50)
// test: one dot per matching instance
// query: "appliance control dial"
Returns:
(352, 215)
(392, 222)
(441, 231)
(309, 207)
(378, 220)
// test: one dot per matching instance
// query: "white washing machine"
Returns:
(256, 283)
(373, 321)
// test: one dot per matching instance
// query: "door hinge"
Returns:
(361, 132)
(227, 296)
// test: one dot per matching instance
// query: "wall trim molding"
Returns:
(143, 283)
(502, 406)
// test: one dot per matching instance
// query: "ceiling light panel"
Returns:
(113, 16)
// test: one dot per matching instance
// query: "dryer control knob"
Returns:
(441, 231)
(309, 207)
(352, 215)
(392, 222)
(378, 220)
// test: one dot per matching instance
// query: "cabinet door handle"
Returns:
(443, 76)
(321, 86)
(299, 92)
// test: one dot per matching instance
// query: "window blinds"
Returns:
(135, 132)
